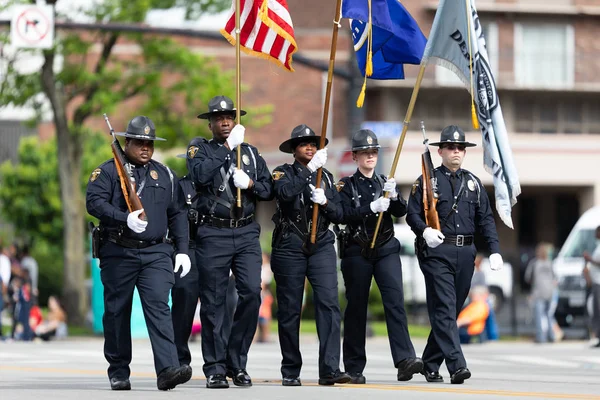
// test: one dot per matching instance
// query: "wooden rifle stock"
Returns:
(128, 185)
(430, 200)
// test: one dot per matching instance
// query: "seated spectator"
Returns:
(56, 323)
(266, 302)
(471, 320)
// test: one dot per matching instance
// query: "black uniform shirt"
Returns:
(293, 192)
(204, 164)
(473, 212)
(368, 190)
(162, 199)
(189, 190)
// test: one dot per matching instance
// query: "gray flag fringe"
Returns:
(448, 46)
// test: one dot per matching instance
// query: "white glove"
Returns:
(433, 237)
(236, 136)
(240, 179)
(390, 186)
(317, 195)
(496, 262)
(318, 160)
(135, 223)
(380, 205)
(183, 260)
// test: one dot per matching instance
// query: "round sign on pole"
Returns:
(32, 26)
(346, 165)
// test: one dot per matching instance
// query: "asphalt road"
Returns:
(76, 370)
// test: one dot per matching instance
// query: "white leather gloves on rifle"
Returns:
(182, 261)
(317, 195)
(318, 160)
(135, 223)
(236, 136)
(390, 186)
(380, 205)
(496, 262)
(433, 237)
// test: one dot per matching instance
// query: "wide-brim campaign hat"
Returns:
(220, 105)
(300, 134)
(364, 139)
(452, 134)
(142, 128)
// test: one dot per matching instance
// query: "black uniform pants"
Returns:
(358, 273)
(184, 296)
(219, 250)
(448, 270)
(290, 267)
(151, 271)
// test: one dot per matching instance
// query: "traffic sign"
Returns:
(346, 165)
(32, 26)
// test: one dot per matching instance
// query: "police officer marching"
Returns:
(226, 241)
(133, 253)
(362, 201)
(294, 259)
(447, 256)
(185, 292)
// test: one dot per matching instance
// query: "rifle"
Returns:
(430, 194)
(125, 174)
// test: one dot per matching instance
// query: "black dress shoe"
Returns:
(408, 367)
(217, 381)
(357, 378)
(173, 376)
(335, 377)
(433, 377)
(239, 377)
(461, 375)
(291, 381)
(120, 384)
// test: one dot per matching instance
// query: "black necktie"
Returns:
(453, 181)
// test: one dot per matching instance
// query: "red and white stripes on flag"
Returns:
(266, 30)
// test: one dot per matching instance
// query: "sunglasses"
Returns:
(453, 147)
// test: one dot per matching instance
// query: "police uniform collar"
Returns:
(360, 175)
(447, 171)
(298, 165)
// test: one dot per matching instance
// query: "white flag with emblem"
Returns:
(455, 31)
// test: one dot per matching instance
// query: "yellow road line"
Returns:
(399, 387)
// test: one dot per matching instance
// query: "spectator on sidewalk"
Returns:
(56, 323)
(30, 264)
(592, 270)
(471, 320)
(5, 274)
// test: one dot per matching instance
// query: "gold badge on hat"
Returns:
(95, 174)
(277, 175)
(471, 185)
(246, 159)
(192, 151)
(154, 174)
(369, 140)
(340, 185)
(147, 130)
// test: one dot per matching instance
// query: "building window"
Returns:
(544, 55)
(445, 77)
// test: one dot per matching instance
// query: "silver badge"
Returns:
(456, 135)
(223, 104)
(471, 185)
(307, 131)
(369, 140)
(246, 159)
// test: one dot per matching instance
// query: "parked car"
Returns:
(499, 282)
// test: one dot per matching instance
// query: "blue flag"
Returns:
(396, 36)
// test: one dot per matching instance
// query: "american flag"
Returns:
(266, 30)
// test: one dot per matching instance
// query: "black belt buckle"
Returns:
(460, 240)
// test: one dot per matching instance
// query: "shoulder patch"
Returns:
(277, 175)
(340, 185)
(415, 186)
(192, 150)
(95, 174)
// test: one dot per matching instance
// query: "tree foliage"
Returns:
(76, 81)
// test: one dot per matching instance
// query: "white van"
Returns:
(499, 282)
(569, 263)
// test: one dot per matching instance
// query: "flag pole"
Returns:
(409, 111)
(238, 98)
(336, 25)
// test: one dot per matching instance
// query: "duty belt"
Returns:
(131, 243)
(459, 240)
(225, 222)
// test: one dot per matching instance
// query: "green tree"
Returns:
(79, 83)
